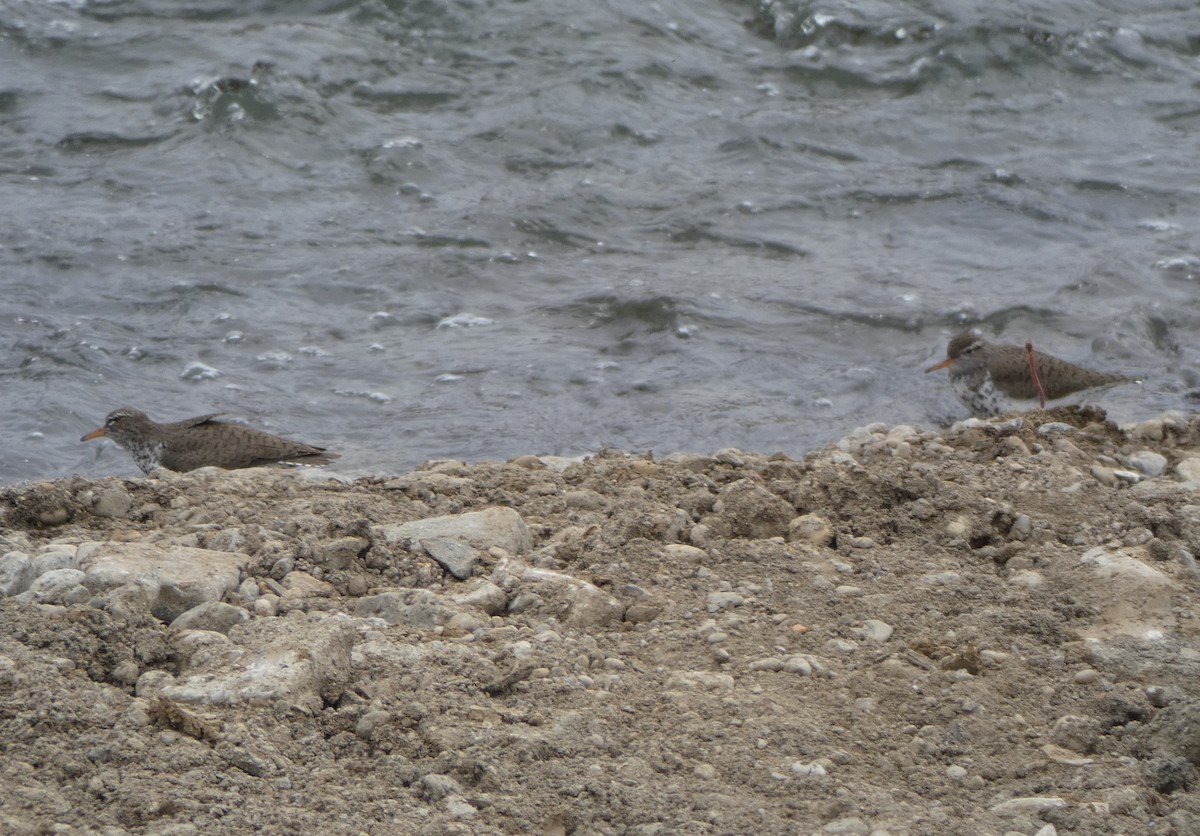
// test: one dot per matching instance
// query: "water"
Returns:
(468, 229)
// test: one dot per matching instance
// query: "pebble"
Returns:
(705, 771)
(1055, 428)
(840, 646)
(956, 773)
(1028, 806)
(1086, 676)
(683, 553)
(717, 601)
(809, 770)
(874, 630)
(802, 665)
(769, 664)
(847, 591)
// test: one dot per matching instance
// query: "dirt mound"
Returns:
(990, 629)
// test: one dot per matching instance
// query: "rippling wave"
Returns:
(417, 230)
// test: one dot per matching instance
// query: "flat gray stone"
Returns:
(455, 556)
(502, 527)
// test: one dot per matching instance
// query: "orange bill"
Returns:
(942, 365)
(100, 433)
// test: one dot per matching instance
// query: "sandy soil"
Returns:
(986, 630)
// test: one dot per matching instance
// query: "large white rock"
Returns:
(301, 661)
(573, 601)
(185, 576)
(501, 527)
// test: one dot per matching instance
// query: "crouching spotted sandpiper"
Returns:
(983, 373)
(201, 442)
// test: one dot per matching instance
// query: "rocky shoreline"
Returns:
(986, 629)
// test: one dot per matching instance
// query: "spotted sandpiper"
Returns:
(200, 442)
(982, 373)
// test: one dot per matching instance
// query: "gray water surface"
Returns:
(480, 229)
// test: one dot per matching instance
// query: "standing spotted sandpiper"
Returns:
(982, 372)
(200, 442)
